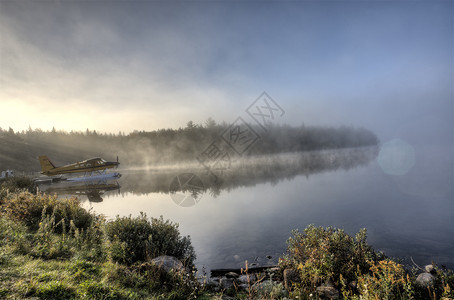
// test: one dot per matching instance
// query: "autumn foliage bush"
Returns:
(321, 254)
(330, 257)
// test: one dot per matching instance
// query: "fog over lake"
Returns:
(249, 213)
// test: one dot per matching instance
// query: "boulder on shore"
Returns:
(226, 283)
(168, 263)
(232, 275)
(327, 292)
(429, 268)
(246, 279)
(425, 280)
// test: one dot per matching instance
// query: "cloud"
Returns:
(88, 72)
(146, 65)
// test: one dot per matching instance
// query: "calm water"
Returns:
(250, 214)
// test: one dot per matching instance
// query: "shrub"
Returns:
(90, 242)
(166, 240)
(10, 232)
(322, 255)
(388, 280)
(18, 183)
(138, 239)
(444, 283)
(130, 238)
(15, 235)
(28, 209)
(179, 285)
(49, 245)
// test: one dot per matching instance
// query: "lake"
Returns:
(402, 194)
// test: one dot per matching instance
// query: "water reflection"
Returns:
(244, 172)
(92, 190)
(186, 189)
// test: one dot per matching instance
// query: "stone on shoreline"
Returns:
(232, 275)
(429, 268)
(208, 282)
(226, 283)
(243, 279)
(425, 280)
(328, 292)
(168, 263)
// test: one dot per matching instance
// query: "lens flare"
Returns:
(396, 157)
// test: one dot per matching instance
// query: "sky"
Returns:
(115, 66)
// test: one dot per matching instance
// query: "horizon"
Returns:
(203, 125)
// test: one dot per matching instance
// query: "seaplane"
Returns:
(95, 167)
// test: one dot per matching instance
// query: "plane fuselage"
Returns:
(89, 165)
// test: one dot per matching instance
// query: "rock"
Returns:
(168, 263)
(226, 283)
(232, 275)
(243, 279)
(244, 286)
(291, 276)
(429, 268)
(208, 282)
(328, 292)
(425, 280)
(264, 287)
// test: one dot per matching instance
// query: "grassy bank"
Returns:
(55, 249)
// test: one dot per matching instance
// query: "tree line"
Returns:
(19, 150)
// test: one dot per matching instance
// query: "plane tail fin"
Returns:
(46, 164)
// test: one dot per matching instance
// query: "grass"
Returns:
(54, 249)
(63, 276)
(69, 279)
